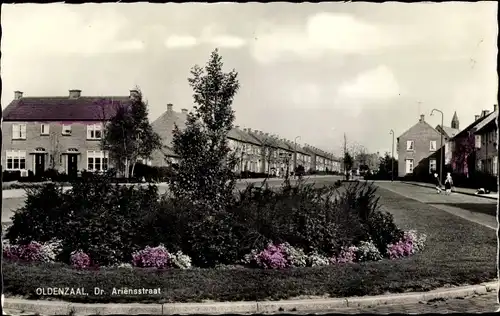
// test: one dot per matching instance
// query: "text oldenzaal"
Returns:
(76, 291)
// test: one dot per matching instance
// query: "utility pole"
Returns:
(392, 156)
(345, 152)
(441, 151)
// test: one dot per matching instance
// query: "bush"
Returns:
(157, 257)
(152, 173)
(102, 219)
(31, 252)
(79, 260)
(9, 176)
(367, 251)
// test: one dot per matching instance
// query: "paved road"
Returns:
(473, 208)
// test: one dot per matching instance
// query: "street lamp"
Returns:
(295, 156)
(441, 159)
(392, 160)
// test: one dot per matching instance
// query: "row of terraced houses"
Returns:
(64, 133)
(473, 148)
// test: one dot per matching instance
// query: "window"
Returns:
(16, 159)
(97, 160)
(432, 165)
(66, 129)
(44, 129)
(410, 145)
(432, 145)
(478, 141)
(409, 165)
(94, 131)
(19, 131)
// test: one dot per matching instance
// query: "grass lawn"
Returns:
(458, 252)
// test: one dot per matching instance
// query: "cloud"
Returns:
(180, 41)
(62, 29)
(227, 41)
(323, 32)
(370, 88)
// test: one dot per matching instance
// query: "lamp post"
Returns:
(392, 159)
(441, 160)
(295, 156)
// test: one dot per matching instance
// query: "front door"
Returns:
(72, 165)
(39, 164)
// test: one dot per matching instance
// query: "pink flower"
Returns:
(80, 260)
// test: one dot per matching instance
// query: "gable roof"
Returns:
(488, 119)
(64, 108)
(415, 125)
(243, 136)
(472, 126)
(448, 131)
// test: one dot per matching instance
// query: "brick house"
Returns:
(418, 150)
(486, 143)
(256, 151)
(463, 147)
(247, 150)
(62, 133)
(164, 126)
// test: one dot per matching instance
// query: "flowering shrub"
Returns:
(32, 252)
(180, 260)
(295, 256)
(157, 257)
(272, 257)
(367, 251)
(410, 243)
(418, 240)
(346, 255)
(316, 260)
(79, 259)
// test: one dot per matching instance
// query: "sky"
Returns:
(311, 70)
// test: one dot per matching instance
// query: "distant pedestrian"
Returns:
(448, 183)
(438, 183)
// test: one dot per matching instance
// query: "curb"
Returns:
(306, 305)
(460, 192)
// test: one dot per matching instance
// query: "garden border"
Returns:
(306, 305)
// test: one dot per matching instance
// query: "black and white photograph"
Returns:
(249, 158)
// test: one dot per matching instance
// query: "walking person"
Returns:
(438, 183)
(448, 183)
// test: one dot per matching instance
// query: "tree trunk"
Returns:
(126, 168)
(133, 168)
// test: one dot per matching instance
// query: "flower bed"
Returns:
(274, 256)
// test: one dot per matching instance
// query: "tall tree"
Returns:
(129, 135)
(204, 174)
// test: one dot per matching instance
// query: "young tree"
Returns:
(204, 174)
(129, 135)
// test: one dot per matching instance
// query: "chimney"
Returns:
(18, 95)
(486, 112)
(74, 94)
(170, 107)
(495, 107)
(134, 93)
(237, 126)
(184, 111)
(422, 118)
(477, 117)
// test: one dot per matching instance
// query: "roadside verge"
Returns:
(306, 305)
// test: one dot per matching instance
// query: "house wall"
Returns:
(421, 134)
(488, 152)
(54, 144)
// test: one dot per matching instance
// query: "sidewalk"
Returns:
(465, 191)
